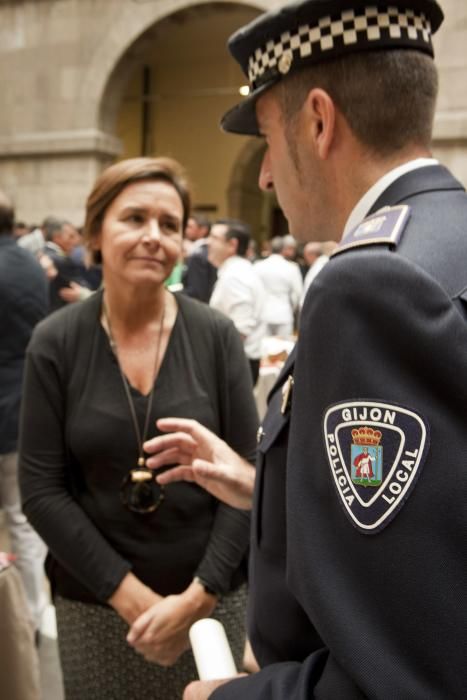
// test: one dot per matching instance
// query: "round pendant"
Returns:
(140, 491)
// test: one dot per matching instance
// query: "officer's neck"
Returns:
(363, 169)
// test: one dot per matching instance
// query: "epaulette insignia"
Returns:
(385, 226)
(376, 451)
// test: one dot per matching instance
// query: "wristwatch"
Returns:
(207, 588)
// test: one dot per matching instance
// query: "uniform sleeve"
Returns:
(228, 544)
(285, 681)
(45, 485)
(389, 604)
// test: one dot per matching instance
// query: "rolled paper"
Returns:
(211, 650)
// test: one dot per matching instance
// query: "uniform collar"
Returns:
(364, 205)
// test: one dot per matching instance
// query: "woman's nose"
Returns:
(152, 231)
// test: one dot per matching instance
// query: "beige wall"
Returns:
(66, 112)
(450, 133)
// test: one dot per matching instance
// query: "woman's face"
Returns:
(141, 235)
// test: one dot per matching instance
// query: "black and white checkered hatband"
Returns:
(351, 31)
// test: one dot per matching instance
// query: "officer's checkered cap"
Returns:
(349, 29)
(305, 32)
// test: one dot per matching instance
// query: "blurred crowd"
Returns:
(281, 269)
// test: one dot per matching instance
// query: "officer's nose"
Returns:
(266, 182)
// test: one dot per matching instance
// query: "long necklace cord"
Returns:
(140, 438)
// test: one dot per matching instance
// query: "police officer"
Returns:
(371, 599)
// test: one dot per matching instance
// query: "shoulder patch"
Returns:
(375, 451)
(385, 226)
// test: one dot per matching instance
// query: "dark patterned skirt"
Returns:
(98, 664)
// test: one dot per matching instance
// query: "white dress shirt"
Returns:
(239, 294)
(283, 284)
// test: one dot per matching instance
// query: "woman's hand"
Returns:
(132, 598)
(202, 458)
(161, 633)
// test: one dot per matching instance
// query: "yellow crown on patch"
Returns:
(366, 436)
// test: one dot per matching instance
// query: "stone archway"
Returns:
(192, 82)
(129, 31)
(57, 133)
(245, 200)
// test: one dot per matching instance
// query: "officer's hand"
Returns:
(202, 458)
(201, 690)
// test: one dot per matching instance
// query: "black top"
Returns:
(380, 614)
(78, 443)
(199, 276)
(23, 302)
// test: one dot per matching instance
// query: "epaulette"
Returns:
(385, 226)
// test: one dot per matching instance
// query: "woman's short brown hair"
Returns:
(118, 176)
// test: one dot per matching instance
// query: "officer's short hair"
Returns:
(239, 230)
(387, 97)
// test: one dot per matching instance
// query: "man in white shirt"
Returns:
(238, 293)
(283, 284)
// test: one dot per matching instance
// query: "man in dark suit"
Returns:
(199, 276)
(70, 282)
(23, 303)
(358, 577)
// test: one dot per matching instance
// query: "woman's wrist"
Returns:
(132, 597)
(201, 601)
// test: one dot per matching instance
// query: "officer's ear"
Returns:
(320, 114)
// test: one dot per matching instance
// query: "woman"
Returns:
(99, 374)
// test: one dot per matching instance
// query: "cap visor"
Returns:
(241, 119)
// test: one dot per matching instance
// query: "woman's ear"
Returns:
(320, 112)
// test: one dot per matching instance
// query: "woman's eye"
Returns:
(171, 226)
(135, 219)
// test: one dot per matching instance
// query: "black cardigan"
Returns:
(77, 444)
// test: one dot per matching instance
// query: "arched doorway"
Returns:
(168, 90)
(246, 201)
